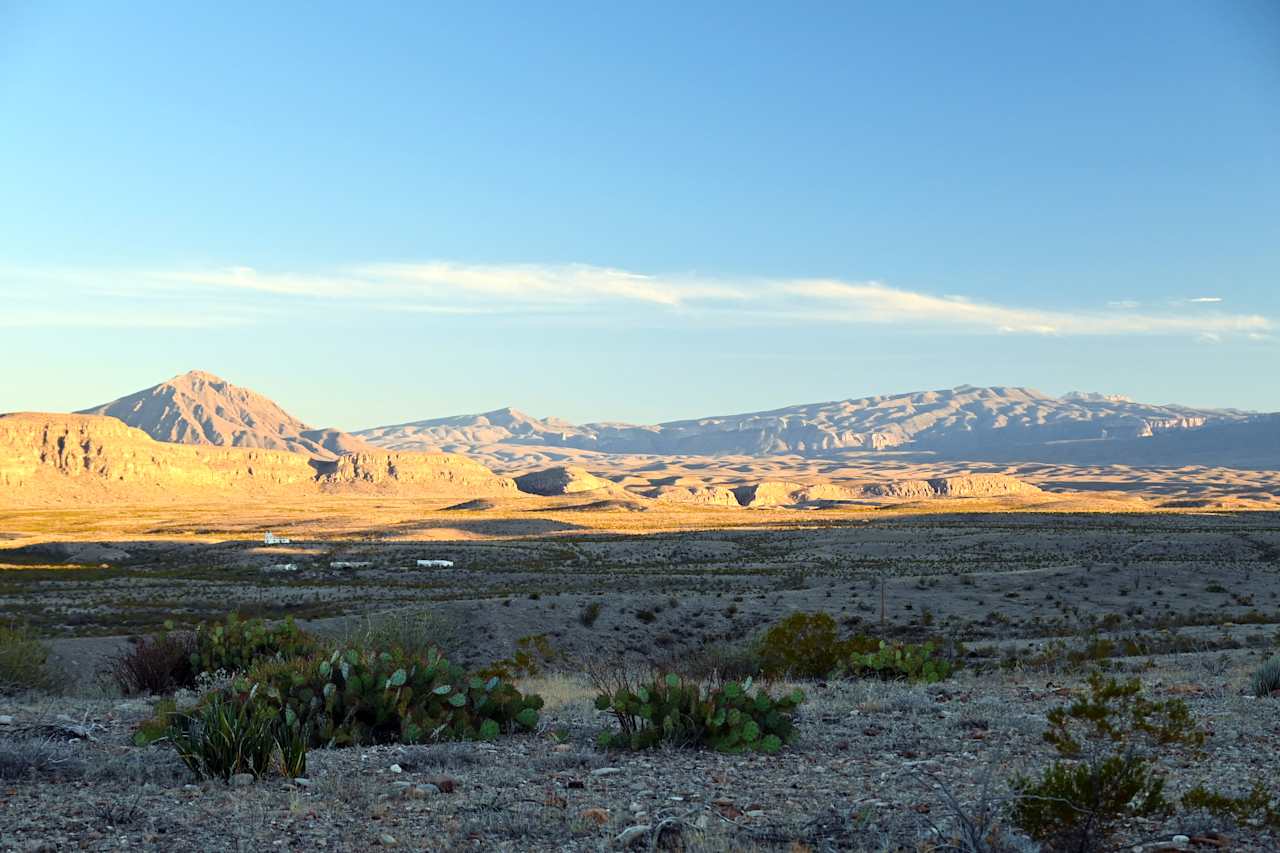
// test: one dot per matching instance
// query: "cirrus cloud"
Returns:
(453, 288)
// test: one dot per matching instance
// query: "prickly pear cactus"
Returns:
(673, 711)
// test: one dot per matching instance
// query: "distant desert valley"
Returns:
(934, 572)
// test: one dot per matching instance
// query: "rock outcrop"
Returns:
(565, 480)
(701, 495)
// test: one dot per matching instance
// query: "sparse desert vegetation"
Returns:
(862, 681)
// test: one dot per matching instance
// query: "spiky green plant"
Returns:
(228, 735)
(1266, 679)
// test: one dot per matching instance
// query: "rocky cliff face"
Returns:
(413, 469)
(56, 457)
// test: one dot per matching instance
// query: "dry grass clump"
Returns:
(157, 665)
(25, 757)
(24, 661)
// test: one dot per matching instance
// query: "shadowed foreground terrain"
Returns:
(1028, 601)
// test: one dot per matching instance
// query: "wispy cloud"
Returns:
(872, 302)
(452, 288)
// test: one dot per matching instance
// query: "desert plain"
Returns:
(1025, 576)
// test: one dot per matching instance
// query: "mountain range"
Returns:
(965, 423)
(999, 423)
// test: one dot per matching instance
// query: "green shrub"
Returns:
(236, 645)
(1266, 679)
(363, 696)
(806, 645)
(674, 711)
(1074, 807)
(898, 661)
(1103, 775)
(158, 727)
(1257, 805)
(23, 661)
(227, 735)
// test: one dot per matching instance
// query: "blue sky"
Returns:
(386, 212)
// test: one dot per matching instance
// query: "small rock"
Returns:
(395, 768)
(387, 840)
(755, 813)
(6, 720)
(302, 782)
(606, 771)
(445, 784)
(1182, 839)
(632, 834)
(563, 747)
(241, 780)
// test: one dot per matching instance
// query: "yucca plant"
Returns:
(1266, 679)
(225, 736)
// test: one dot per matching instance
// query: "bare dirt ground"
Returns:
(1189, 600)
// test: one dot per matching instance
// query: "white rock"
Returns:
(1181, 839)
(632, 834)
(395, 768)
(6, 720)
(606, 771)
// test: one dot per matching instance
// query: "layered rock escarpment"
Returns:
(782, 493)
(58, 457)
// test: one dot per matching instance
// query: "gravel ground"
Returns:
(871, 771)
